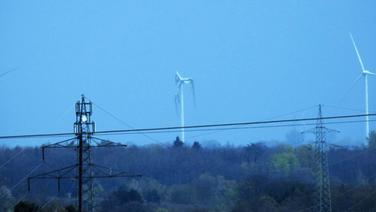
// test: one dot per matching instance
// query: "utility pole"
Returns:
(84, 171)
(321, 169)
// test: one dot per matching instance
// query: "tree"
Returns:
(372, 140)
(254, 151)
(285, 160)
(126, 196)
(152, 196)
(182, 194)
(123, 198)
(26, 207)
(70, 208)
(196, 146)
(178, 143)
(5, 198)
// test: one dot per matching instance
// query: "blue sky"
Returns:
(251, 60)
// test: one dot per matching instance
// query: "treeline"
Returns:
(178, 177)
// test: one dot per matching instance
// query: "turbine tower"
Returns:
(179, 99)
(364, 73)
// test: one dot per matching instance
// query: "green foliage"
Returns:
(285, 161)
(348, 198)
(211, 179)
(253, 151)
(161, 210)
(151, 190)
(305, 154)
(123, 198)
(259, 193)
(182, 194)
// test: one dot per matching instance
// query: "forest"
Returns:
(195, 178)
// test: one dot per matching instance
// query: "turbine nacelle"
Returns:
(179, 81)
(182, 80)
(366, 72)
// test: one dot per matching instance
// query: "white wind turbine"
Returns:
(364, 74)
(179, 99)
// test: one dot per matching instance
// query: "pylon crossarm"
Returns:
(117, 175)
(103, 170)
(308, 131)
(55, 174)
(109, 172)
(96, 176)
(106, 143)
(60, 144)
(58, 171)
(331, 130)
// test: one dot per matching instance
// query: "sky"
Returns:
(251, 60)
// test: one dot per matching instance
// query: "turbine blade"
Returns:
(7, 72)
(177, 102)
(177, 74)
(193, 90)
(350, 88)
(177, 80)
(357, 52)
(178, 77)
(371, 73)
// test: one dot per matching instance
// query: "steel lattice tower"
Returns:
(84, 171)
(321, 170)
(84, 128)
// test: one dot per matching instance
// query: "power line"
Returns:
(295, 112)
(235, 124)
(156, 129)
(214, 130)
(12, 158)
(121, 121)
(345, 108)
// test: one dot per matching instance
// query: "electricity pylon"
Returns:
(86, 170)
(321, 168)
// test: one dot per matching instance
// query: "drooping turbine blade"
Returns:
(177, 102)
(357, 53)
(193, 90)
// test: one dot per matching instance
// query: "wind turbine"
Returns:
(364, 73)
(179, 99)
